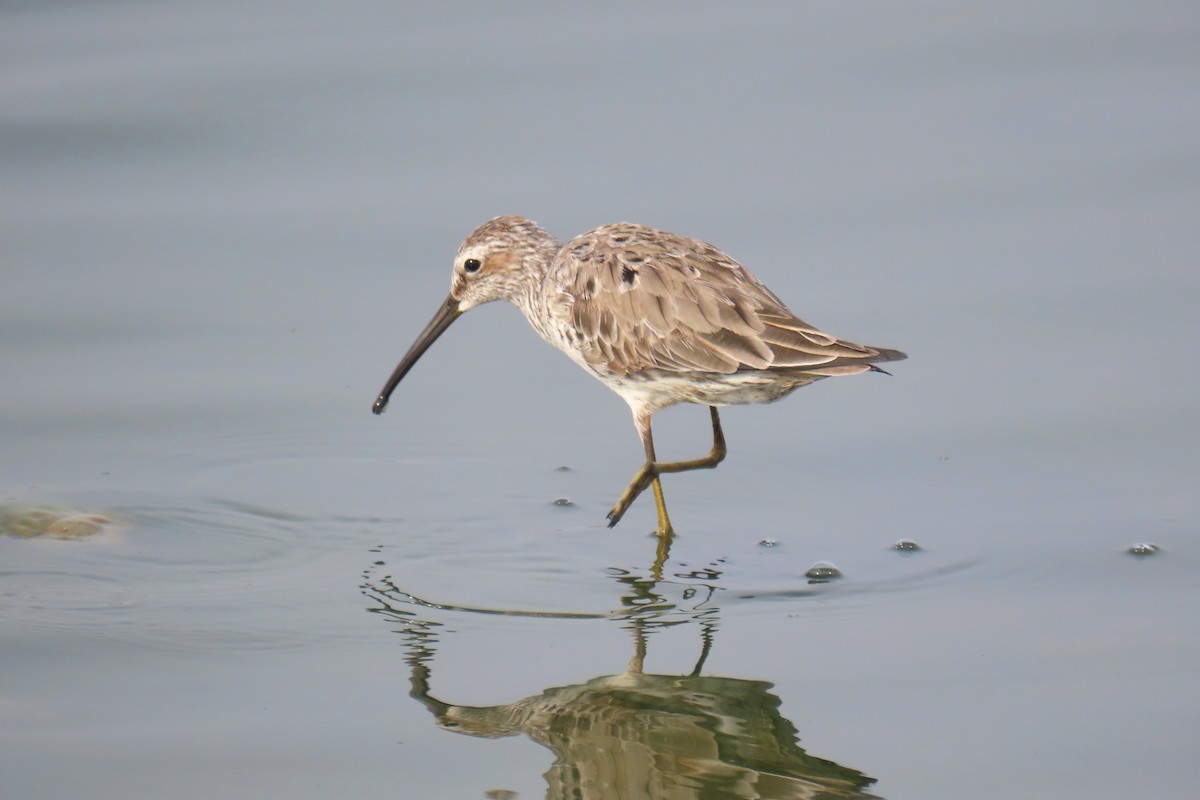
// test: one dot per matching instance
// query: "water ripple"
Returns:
(213, 575)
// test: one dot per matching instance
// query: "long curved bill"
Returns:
(448, 312)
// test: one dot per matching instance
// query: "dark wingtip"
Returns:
(885, 354)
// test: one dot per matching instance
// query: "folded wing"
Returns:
(641, 299)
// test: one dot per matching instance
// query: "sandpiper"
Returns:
(659, 318)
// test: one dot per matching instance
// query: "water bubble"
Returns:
(562, 501)
(563, 468)
(822, 572)
(1142, 549)
(767, 542)
(906, 544)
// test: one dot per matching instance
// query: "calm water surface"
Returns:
(223, 226)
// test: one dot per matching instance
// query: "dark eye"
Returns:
(472, 265)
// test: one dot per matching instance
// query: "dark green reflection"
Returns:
(637, 735)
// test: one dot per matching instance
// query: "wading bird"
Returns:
(658, 318)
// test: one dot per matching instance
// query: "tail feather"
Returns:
(887, 355)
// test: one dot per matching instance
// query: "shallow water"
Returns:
(224, 225)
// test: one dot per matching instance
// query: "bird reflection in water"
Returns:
(637, 735)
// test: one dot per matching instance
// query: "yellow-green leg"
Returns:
(649, 474)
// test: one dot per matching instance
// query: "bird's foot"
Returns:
(644, 477)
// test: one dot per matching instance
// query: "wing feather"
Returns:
(643, 299)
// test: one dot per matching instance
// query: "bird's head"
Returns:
(503, 259)
(499, 260)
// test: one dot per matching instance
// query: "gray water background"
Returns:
(221, 224)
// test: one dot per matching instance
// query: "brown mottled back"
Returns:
(643, 299)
